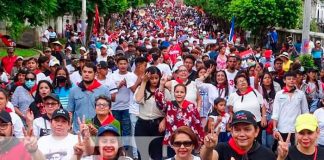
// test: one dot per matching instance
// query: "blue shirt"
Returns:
(63, 95)
(317, 53)
(83, 103)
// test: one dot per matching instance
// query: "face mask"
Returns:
(61, 79)
(257, 55)
(29, 84)
(186, 44)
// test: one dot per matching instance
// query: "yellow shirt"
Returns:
(286, 65)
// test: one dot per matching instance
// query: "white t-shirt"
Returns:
(110, 84)
(230, 78)
(124, 93)
(164, 68)
(75, 78)
(194, 158)
(42, 76)
(52, 147)
(17, 124)
(251, 102)
(223, 123)
(41, 127)
(45, 36)
(319, 114)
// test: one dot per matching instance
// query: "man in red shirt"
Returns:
(11, 147)
(8, 61)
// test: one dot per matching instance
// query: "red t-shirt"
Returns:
(8, 63)
(14, 150)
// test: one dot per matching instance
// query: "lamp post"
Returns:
(306, 26)
(83, 22)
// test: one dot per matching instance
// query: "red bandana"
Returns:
(18, 84)
(237, 149)
(286, 90)
(95, 84)
(108, 120)
(180, 81)
(36, 71)
(185, 104)
(248, 90)
(32, 90)
(221, 113)
(221, 86)
(7, 109)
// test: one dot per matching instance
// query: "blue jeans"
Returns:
(133, 119)
(124, 118)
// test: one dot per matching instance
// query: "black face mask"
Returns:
(61, 79)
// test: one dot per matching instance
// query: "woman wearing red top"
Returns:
(179, 112)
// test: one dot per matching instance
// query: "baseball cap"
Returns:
(51, 96)
(20, 57)
(5, 116)
(103, 64)
(306, 121)
(243, 116)
(61, 113)
(284, 54)
(108, 128)
(54, 62)
(103, 46)
(48, 49)
(69, 48)
(83, 48)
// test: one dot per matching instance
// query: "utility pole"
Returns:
(83, 22)
(306, 26)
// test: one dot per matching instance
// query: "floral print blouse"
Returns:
(186, 115)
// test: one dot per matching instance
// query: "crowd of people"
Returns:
(162, 83)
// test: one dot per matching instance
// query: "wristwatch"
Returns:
(275, 129)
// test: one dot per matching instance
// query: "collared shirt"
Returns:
(286, 109)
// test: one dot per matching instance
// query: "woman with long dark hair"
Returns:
(150, 119)
(44, 88)
(62, 85)
(268, 90)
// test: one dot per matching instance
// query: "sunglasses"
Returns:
(31, 79)
(184, 143)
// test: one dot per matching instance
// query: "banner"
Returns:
(232, 31)
(96, 24)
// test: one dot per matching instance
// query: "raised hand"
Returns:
(29, 118)
(30, 141)
(146, 77)
(79, 148)
(93, 130)
(84, 129)
(211, 139)
(122, 83)
(210, 69)
(283, 147)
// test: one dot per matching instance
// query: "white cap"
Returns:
(82, 48)
(54, 62)
(69, 48)
(103, 46)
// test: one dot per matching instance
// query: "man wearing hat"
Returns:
(60, 140)
(105, 51)
(8, 61)
(42, 125)
(58, 53)
(243, 144)
(12, 147)
(317, 53)
(307, 133)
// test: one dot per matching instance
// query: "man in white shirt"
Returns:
(104, 53)
(60, 142)
(45, 38)
(288, 104)
(104, 78)
(231, 72)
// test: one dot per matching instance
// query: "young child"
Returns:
(220, 118)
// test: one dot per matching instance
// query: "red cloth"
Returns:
(8, 63)
(93, 86)
(174, 52)
(7, 109)
(185, 115)
(36, 71)
(108, 120)
(248, 90)
(33, 90)
(237, 149)
(286, 90)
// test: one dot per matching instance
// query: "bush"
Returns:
(307, 61)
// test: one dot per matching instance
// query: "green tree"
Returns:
(258, 16)
(17, 12)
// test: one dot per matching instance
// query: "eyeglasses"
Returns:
(182, 70)
(31, 79)
(4, 126)
(243, 81)
(184, 143)
(51, 104)
(103, 105)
